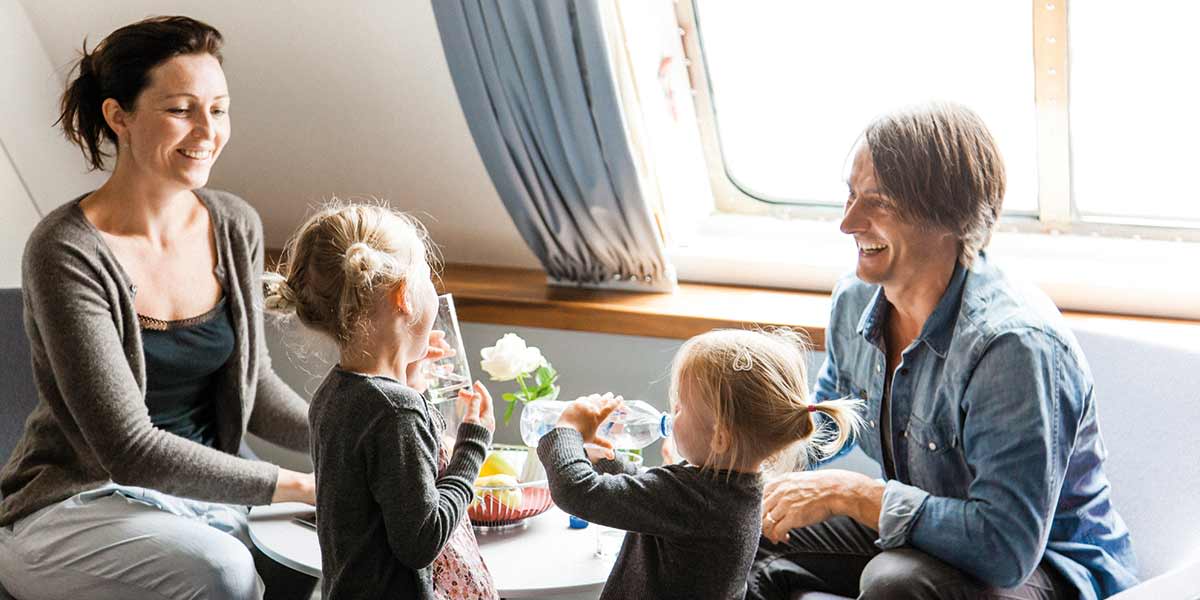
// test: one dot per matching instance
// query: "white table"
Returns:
(544, 559)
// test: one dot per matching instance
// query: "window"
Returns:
(1096, 144)
(1096, 137)
(1134, 121)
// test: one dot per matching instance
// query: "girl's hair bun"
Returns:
(363, 263)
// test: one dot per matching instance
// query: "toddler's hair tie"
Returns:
(742, 361)
(812, 408)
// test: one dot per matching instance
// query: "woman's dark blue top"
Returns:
(183, 360)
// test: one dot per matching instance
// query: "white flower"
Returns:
(510, 357)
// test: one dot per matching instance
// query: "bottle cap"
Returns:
(577, 523)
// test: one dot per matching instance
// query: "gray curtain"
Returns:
(535, 83)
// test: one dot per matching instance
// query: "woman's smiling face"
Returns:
(180, 122)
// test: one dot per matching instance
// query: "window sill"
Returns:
(508, 296)
(1086, 273)
(511, 296)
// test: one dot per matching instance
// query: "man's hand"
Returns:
(585, 416)
(810, 497)
(417, 371)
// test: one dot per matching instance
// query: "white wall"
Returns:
(19, 219)
(330, 98)
(633, 366)
(38, 169)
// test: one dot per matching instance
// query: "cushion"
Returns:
(17, 393)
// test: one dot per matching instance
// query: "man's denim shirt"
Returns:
(998, 455)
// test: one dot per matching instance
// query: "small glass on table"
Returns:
(610, 539)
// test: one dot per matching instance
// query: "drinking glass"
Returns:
(608, 541)
(452, 373)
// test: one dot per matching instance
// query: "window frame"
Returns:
(1057, 211)
(1086, 264)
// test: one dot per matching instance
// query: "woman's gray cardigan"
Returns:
(91, 425)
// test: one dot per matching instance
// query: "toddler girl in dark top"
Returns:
(391, 500)
(740, 400)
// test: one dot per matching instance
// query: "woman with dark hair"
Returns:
(143, 310)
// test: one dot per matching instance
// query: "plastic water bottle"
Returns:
(635, 425)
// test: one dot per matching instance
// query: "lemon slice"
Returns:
(496, 464)
(508, 496)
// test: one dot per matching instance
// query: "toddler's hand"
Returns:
(478, 407)
(586, 414)
(417, 371)
(669, 454)
(598, 450)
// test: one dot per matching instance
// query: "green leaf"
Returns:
(509, 397)
(550, 393)
(546, 375)
(509, 411)
(546, 379)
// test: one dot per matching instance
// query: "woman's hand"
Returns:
(585, 416)
(417, 372)
(478, 409)
(292, 486)
(810, 497)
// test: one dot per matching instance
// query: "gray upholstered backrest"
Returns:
(1148, 398)
(17, 394)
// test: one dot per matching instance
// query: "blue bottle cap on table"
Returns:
(577, 523)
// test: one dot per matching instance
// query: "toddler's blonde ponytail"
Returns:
(277, 294)
(756, 384)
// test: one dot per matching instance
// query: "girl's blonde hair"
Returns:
(335, 266)
(756, 386)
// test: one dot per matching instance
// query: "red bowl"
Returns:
(489, 511)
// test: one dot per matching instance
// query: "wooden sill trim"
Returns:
(521, 297)
(508, 296)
